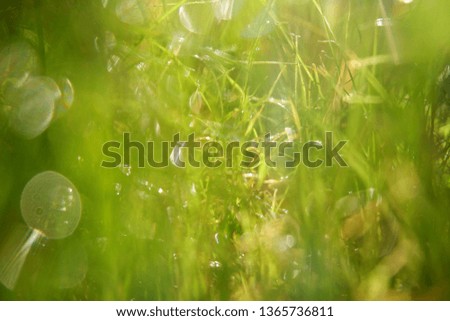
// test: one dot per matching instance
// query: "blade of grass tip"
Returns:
(172, 56)
(389, 33)
(237, 87)
(296, 100)
(283, 197)
(375, 49)
(329, 32)
(345, 77)
(219, 85)
(258, 114)
(359, 165)
(347, 23)
(299, 64)
(274, 202)
(373, 81)
(295, 115)
(170, 11)
(283, 69)
(262, 173)
(250, 59)
(324, 19)
(374, 148)
(299, 73)
(206, 101)
(317, 81)
(252, 122)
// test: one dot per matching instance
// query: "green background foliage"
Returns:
(375, 73)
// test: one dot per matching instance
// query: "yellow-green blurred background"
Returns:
(375, 73)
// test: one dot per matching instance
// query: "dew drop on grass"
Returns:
(126, 170)
(118, 188)
(32, 106)
(67, 97)
(196, 102)
(214, 264)
(196, 17)
(261, 25)
(56, 211)
(177, 43)
(68, 92)
(290, 241)
(216, 238)
(383, 22)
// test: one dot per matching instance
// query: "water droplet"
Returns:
(157, 128)
(214, 264)
(65, 102)
(59, 201)
(187, 72)
(33, 106)
(290, 241)
(196, 102)
(193, 189)
(177, 43)
(118, 188)
(68, 93)
(126, 170)
(383, 22)
(290, 133)
(216, 237)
